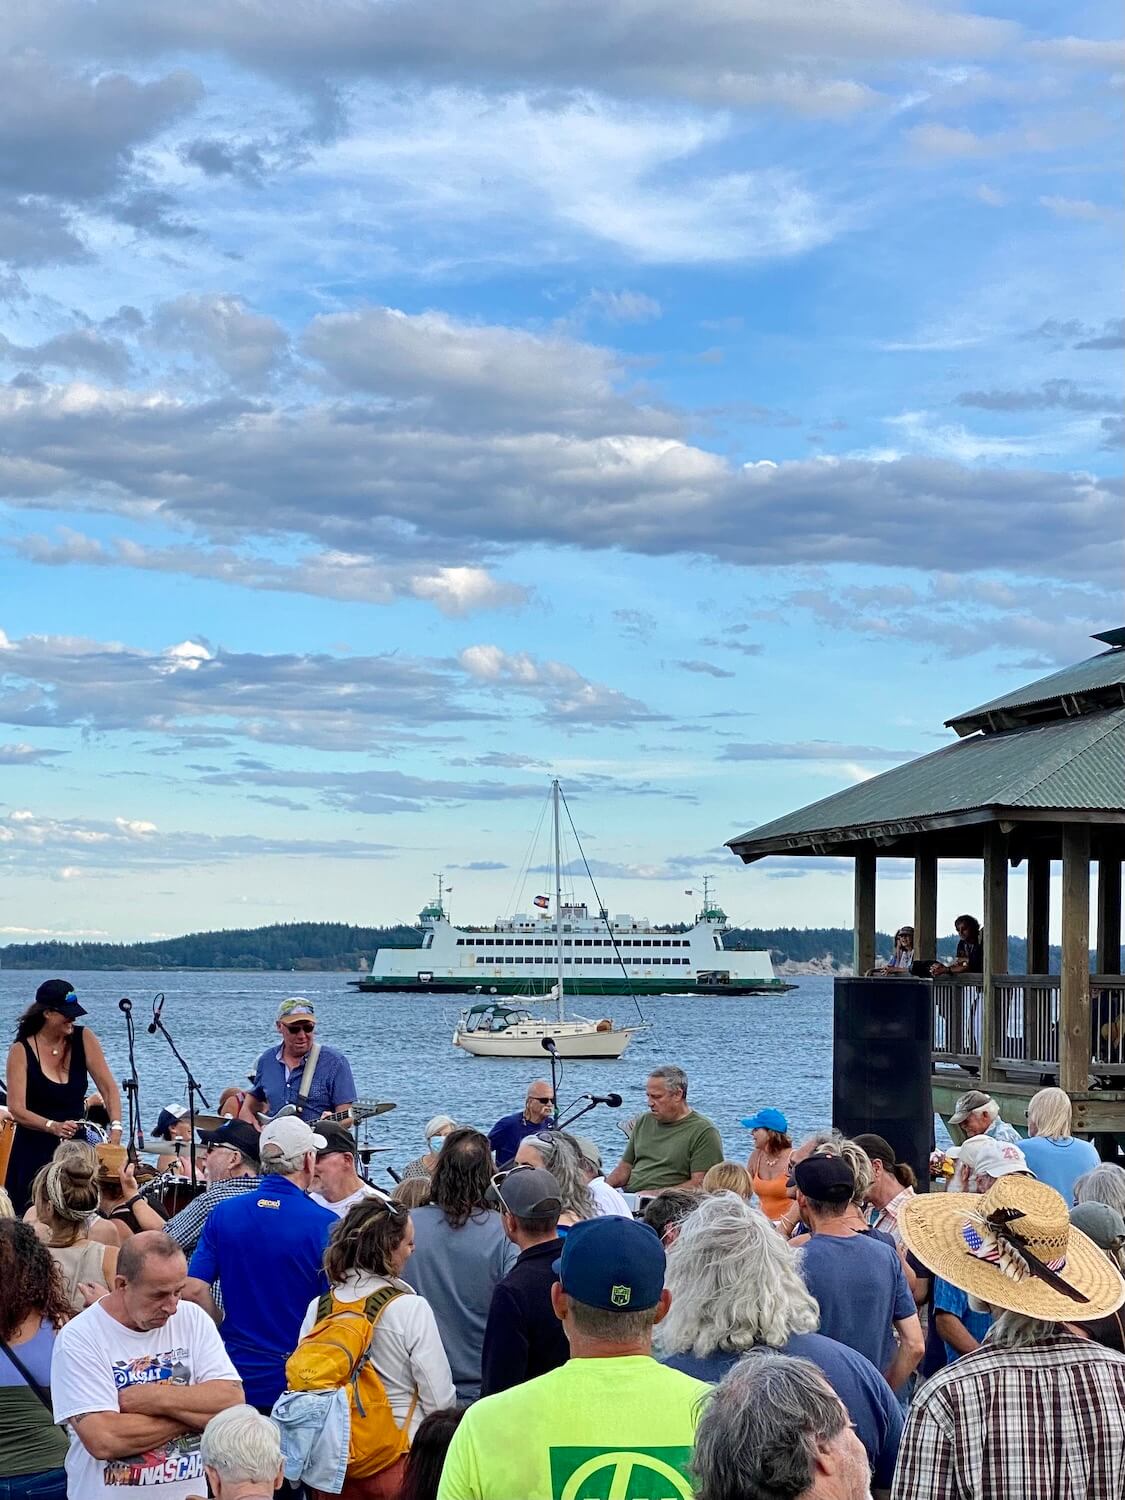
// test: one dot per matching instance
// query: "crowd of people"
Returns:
(514, 1321)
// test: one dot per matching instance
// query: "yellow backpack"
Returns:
(333, 1355)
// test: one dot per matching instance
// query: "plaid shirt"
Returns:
(1046, 1422)
(188, 1224)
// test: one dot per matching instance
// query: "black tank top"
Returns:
(58, 1101)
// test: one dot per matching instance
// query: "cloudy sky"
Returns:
(403, 401)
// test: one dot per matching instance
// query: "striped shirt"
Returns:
(1046, 1422)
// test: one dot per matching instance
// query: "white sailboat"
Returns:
(494, 1030)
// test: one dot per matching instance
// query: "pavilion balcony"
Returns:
(1024, 1021)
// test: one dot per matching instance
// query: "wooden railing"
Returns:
(1024, 1017)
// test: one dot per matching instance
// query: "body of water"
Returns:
(739, 1053)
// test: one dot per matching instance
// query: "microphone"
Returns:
(125, 1006)
(613, 1100)
(548, 1045)
(157, 1010)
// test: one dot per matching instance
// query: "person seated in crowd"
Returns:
(266, 1250)
(437, 1128)
(138, 1376)
(523, 1338)
(610, 1410)
(337, 1185)
(537, 1114)
(366, 1254)
(33, 1308)
(665, 1212)
(969, 958)
(315, 1079)
(607, 1200)
(978, 1113)
(671, 1145)
(426, 1458)
(559, 1154)
(857, 1279)
(768, 1164)
(1038, 1411)
(981, 1161)
(728, 1177)
(1053, 1153)
(735, 1287)
(173, 1124)
(460, 1253)
(65, 1196)
(241, 1455)
(776, 1428)
(1105, 1184)
(901, 962)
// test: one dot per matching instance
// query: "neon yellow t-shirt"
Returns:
(591, 1430)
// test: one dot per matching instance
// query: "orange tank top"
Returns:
(773, 1195)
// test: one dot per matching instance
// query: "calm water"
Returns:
(739, 1053)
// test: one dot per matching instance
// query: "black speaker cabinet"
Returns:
(881, 1065)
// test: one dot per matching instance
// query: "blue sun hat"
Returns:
(767, 1119)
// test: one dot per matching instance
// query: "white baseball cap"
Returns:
(288, 1137)
(996, 1158)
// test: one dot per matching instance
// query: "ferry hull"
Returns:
(530, 988)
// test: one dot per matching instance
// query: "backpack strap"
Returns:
(378, 1302)
(323, 1307)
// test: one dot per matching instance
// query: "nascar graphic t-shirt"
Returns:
(594, 1429)
(96, 1358)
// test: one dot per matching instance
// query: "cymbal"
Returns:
(211, 1122)
(366, 1151)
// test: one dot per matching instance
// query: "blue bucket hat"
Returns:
(615, 1264)
(767, 1119)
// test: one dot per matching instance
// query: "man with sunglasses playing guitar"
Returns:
(301, 1075)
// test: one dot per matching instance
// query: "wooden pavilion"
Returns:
(1036, 775)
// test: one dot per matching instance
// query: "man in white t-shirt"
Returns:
(137, 1377)
(337, 1184)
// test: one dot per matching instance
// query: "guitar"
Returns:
(355, 1114)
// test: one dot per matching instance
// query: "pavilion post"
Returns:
(995, 939)
(1074, 997)
(863, 935)
(925, 905)
(1109, 916)
(1038, 913)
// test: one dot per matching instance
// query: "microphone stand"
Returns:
(132, 1084)
(585, 1110)
(548, 1045)
(155, 1025)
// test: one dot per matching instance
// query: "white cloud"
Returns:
(1078, 208)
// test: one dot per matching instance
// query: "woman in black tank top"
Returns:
(49, 1070)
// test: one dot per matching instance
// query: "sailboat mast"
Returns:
(558, 892)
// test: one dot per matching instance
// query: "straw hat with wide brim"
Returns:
(1014, 1247)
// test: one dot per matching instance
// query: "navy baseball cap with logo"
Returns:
(58, 994)
(611, 1263)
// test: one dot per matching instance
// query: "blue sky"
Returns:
(403, 402)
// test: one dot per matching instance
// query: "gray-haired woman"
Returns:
(735, 1287)
(562, 1156)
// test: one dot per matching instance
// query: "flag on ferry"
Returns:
(543, 902)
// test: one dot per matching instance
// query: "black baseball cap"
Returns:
(237, 1133)
(338, 1140)
(58, 994)
(825, 1179)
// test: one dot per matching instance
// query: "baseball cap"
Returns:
(588, 1150)
(1099, 1222)
(235, 1133)
(288, 1137)
(615, 1264)
(878, 1148)
(767, 1119)
(296, 1008)
(338, 1140)
(170, 1115)
(997, 1158)
(825, 1179)
(528, 1192)
(58, 994)
(967, 1103)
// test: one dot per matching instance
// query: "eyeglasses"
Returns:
(292, 1026)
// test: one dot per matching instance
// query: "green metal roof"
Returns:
(1060, 765)
(1095, 683)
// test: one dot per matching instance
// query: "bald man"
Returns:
(536, 1115)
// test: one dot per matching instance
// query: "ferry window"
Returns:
(647, 943)
(460, 942)
(718, 945)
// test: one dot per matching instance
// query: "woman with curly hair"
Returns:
(366, 1253)
(460, 1252)
(562, 1156)
(33, 1308)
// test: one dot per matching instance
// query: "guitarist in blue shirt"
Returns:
(301, 1073)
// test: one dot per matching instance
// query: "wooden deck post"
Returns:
(1038, 913)
(995, 939)
(863, 936)
(925, 905)
(1109, 916)
(1074, 997)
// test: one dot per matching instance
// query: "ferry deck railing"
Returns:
(1023, 1014)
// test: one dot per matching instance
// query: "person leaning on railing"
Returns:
(970, 951)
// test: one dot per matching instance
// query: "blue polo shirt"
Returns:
(332, 1082)
(265, 1248)
(506, 1135)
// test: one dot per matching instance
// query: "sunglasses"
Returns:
(535, 1099)
(307, 1026)
(499, 1178)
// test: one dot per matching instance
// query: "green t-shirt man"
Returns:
(590, 1430)
(663, 1154)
